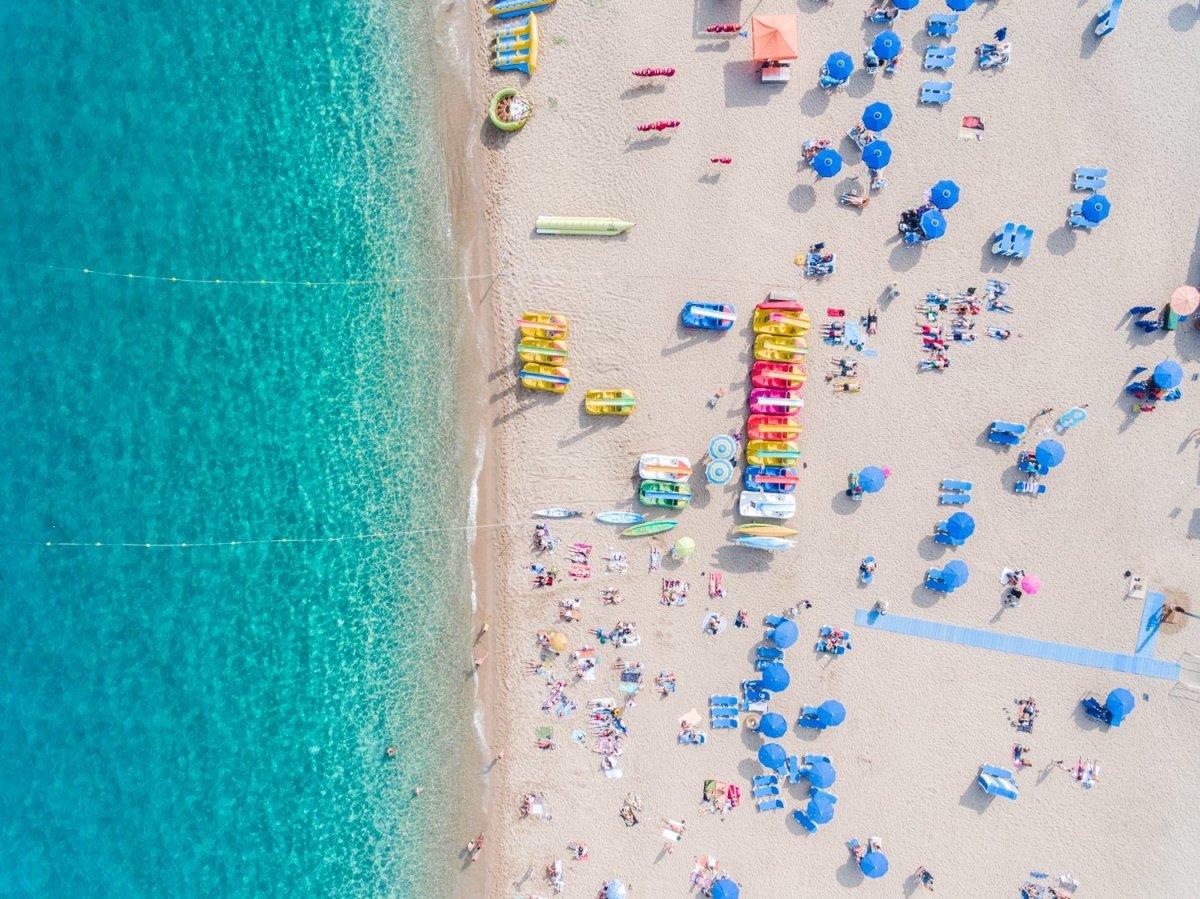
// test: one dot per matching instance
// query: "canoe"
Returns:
(554, 378)
(657, 526)
(773, 427)
(609, 401)
(538, 349)
(708, 316)
(566, 224)
(771, 478)
(667, 494)
(758, 504)
(664, 468)
(618, 517)
(766, 530)
(778, 348)
(547, 325)
(789, 324)
(771, 452)
(772, 543)
(556, 512)
(781, 375)
(775, 402)
(506, 9)
(780, 305)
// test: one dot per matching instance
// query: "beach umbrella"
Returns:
(1185, 300)
(905, 4)
(719, 472)
(1049, 453)
(773, 38)
(831, 713)
(775, 678)
(959, 5)
(887, 45)
(722, 447)
(839, 65)
(785, 634)
(960, 525)
(820, 810)
(1168, 374)
(871, 479)
(773, 725)
(955, 574)
(1096, 208)
(933, 224)
(616, 890)
(725, 889)
(944, 194)
(877, 116)
(821, 774)
(1031, 584)
(1120, 703)
(827, 163)
(684, 548)
(558, 642)
(772, 756)
(874, 864)
(877, 154)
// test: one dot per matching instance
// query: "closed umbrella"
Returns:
(718, 472)
(874, 864)
(558, 642)
(722, 447)
(775, 678)
(959, 5)
(820, 810)
(1050, 453)
(955, 574)
(827, 163)
(887, 45)
(1096, 208)
(1184, 300)
(960, 525)
(725, 889)
(772, 756)
(877, 116)
(773, 725)
(821, 774)
(684, 548)
(831, 713)
(933, 224)
(839, 65)
(877, 154)
(1031, 584)
(944, 194)
(785, 634)
(616, 890)
(1168, 374)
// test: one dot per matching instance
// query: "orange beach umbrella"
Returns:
(773, 37)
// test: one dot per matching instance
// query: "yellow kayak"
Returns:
(766, 530)
(547, 325)
(538, 349)
(553, 378)
(778, 348)
(772, 452)
(611, 401)
(789, 324)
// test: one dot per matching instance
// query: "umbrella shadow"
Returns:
(1062, 240)
(744, 88)
(802, 197)
(930, 550)
(904, 256)
(850, 874)
(861, 84)
(815, 101)
(925, 598)
(843, 504)
(1183, 17)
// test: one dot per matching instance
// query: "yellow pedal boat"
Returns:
(547, 325)
(554, 378)
(788, 324)
(772, 452)
(778, 348)
(538, 349)
(609, 401)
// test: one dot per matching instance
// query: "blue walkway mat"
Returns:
(1148, 630)
(1022, 646)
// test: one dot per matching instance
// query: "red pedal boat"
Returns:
(782, 375)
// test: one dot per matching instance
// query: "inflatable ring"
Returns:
(508, 93)
(1070, 418)
(752, 721)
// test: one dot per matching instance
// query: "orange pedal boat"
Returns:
(773, 427)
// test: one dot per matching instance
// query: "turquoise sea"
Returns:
(213, 721)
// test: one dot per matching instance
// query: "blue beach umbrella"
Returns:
(1167, 375)
(874, 864)
(725, 889)
(772, 756)
(871, 479)
(775, 678)
(1096, 208)
(933, 224)
(960, 525)
(944, 194)
(1120, 704)
(905, 4)
(831, 713)
(887, 45)
(839, 65)
(719, 472)
(785, 634)
(820, 810)
(959, 5)
(773, 725)
(877, 116)
(616, 890)
(1049, 453)
(722, 447)
(877, 154)
(821, 774)
(827, 163)
(955, 574)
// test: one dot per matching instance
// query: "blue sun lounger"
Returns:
(1005, 239)
(1075, 218)
(942, 25)
(770, 652)
(792, 767)
(962, 486)
(717, 700)
(770, 805)
(955, 499)
(724, 723)
(1106, 21)
(756, 696)
(812, 758)
(937, 92)
(765, 790)
(772, 620)
(944, 538)
(761, 780)
(1087, 178)
(1003, 437)
(933, 581)
(1023, 242)
(806, 822)
(1029, 487)
(997, 781)
(689, 737)
(817, 791)
(939, 57)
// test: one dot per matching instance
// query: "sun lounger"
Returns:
(1090, 178)
(756, 696)
(963, 486)
(934, 581)
(937, 92)
(1095, 709)
(765, 790)
(690, 737)
(809, 722)
(806, 822)
(773, 620)
(1008, 427)
(770, 652)
(1106, 20)
(817, 791)
(1029, 487)
(763, 664)
(997, 781)
(1023, 242)
(777, 73)
(939, 57)
(812, 758)
(946, 540)
(942, 25)
(722, 700)
(724, 723)
(761, 705)
(764, 779)
(723, 711)
(1006, 238)
(1075, 218)
(1003, 437)
(826, 646)
(955, 499)
(770, 805)
(792, 766)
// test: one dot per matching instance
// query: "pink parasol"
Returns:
(1185, 300)
(1031, 584)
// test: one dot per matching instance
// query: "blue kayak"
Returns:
(771, 543)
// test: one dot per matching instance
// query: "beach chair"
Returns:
(748, 685)
(763, 664)
(809, 721)
(765, 790)
(1005, 239)
(792, 767)
(1087, 178)
(812, 758)
(754, 698)
(942, 25)
(997, 781)
(770, 653)
(758, 706)
(806, 822)
(770, 805)
(690, 737)
(724, 723)
(837, 650)
(1008, 427)
(772, 620)
(946, 540)
(1004, 438)
(961, 486)
(1106, 20)
(817, 791)
(761, 780)
(717, 700)
(934, 581)
(1029, 487)
(1095, 709)
(939, 57)
(955, 499)
(936, 92)
(1023, 242)
(1075, 218)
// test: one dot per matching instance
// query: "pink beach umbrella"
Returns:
(1185, 300)
(1031, 584)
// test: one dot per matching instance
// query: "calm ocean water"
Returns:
(213, 721)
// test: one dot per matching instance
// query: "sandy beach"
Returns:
(922, 714)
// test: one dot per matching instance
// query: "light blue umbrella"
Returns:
(725, 889)
(775, 678)
(877, 154)
(827, 162)
(821, 774)
(877, 116)
(1120, 703)
(1049, 453)
(719, 472)
(874, 864)
(1096, 208)
(871, 479)
(831, 713)
(722, 447)
(960, 525)
(959, 5)
(944, 194)
(1167, 374)
(933, 224)
(785, 634)
(772, 755)
(905, 4)
(773, 725)
(616, 890)
(839, 65)
(955, 574)
(887, 45)
(820, 810)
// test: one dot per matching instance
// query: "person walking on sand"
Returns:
(479, 660)
(482, 631)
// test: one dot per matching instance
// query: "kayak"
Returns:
(657, 526)
(766, 530)
(547, 325)
(664, 468)
(773, 427)
(609, 401)
(538, 349)
(574, 224)
(775, 402)
(767, 452)
(771, 478)
(781, 305)
(757, 504)
(708, 316)
(556, 512)
(772, 543)
(780, 375)
(778, 348)
(667, 494)
(617, 517)
(554, 378)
